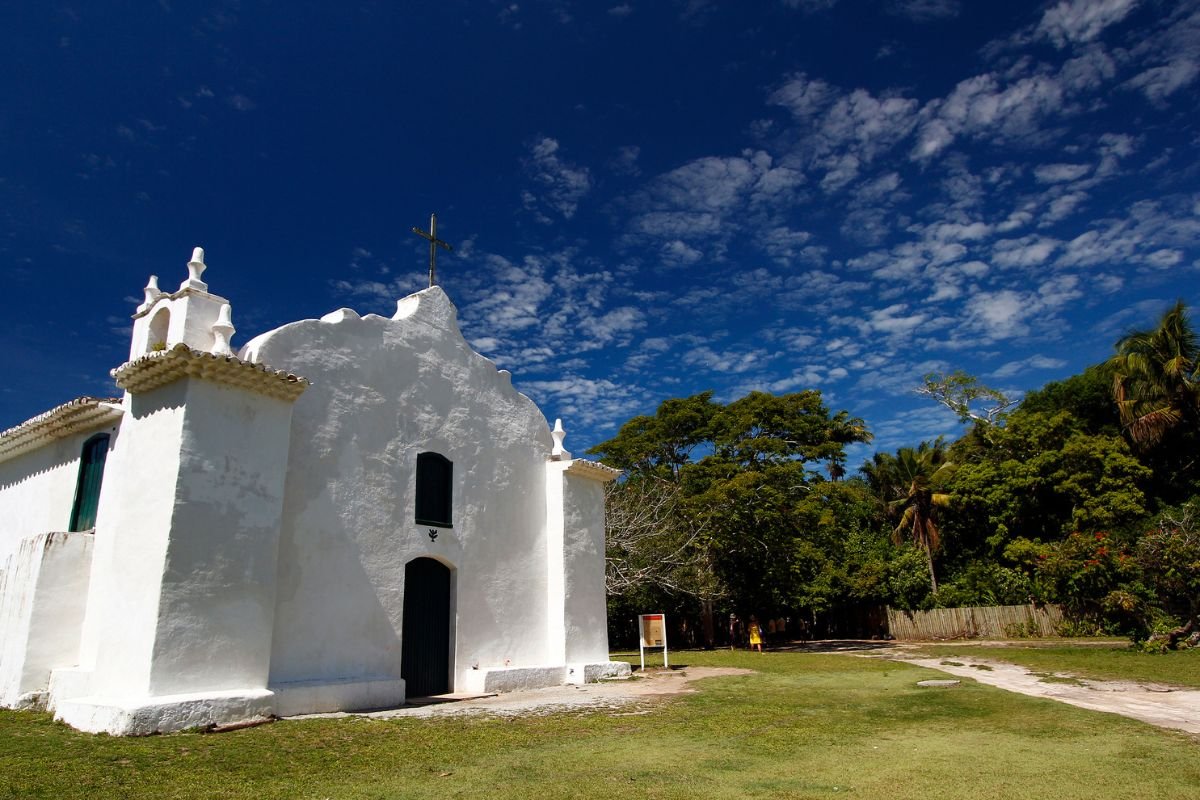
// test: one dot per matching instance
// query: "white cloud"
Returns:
(1163, 258)
(625, 162)
(602, 330)
(1089, 70)
(1146, 235)
(925, 10)
(1009, 313)
(906, 428)
(868, 124)
(1061, 208)
(1058, 173)
(699, 205)
(1169, 55)
(955, 231)
(676, 253)
(1011, 368)
(810, 6)
(728, 362)
(883, 188)
(241, 102)
(784, 244)
(892, 321)
(1157, 83)
(599, 403)
(1028, 251)
(982, 107)
(803, 96)
(1074, 21)
(998, 314)
(678, 224)
(560, 184)
(712, 183)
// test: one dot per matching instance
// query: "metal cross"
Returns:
(434, 244)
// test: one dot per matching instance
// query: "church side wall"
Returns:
(42, 595)
(37, 490)
(137, 502)
(218, 583)
(583, 557)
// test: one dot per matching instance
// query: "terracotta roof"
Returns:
(158, 369)
(594, 470)
(81, 414)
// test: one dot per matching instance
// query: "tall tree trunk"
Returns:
(706, 623)
(932, 577)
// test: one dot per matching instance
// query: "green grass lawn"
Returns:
(804, 725)
(1112, 660)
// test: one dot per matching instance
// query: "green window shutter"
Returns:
(87, 488)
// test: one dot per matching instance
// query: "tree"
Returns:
(1156, 382)
(650, 541)
(1097, 579)
(663, 443)
(715, 500)
(763, 428)
(909, 484)
(1169, 554)
(961, 393)
(1087, 397)
(1041, 477)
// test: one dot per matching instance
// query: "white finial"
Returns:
(558, 453)
(196, 268)
(152, 293)
(223, 331)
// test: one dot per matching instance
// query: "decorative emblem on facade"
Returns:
(433, 534)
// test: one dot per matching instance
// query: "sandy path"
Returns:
(634, 696)
(1164, 706)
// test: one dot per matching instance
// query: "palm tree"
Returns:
(908, 484)
(1156, 378)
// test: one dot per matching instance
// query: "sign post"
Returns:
(653, 633)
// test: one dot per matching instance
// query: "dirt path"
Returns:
(632, 697)
(1164, 706)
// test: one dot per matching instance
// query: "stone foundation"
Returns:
(166, 713)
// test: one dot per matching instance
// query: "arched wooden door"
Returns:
(425, 642)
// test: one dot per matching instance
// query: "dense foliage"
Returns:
(1087, 494)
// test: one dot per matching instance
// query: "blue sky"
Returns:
(646, 199)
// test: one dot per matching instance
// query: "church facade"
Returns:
(343, 513)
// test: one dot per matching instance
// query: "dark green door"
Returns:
(425, 646)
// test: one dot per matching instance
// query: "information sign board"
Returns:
(652, 633)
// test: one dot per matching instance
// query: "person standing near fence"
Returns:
(756, 634)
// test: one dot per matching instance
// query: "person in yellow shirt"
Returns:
(755, 632)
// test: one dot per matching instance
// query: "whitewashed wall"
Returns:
(183, 584)
(137, 502)
(585, 617)
(384, 390)
(217, 606)
(37, 490)
(43, 588)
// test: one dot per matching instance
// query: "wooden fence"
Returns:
(995, 622)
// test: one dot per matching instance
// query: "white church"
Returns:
(342, 514)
